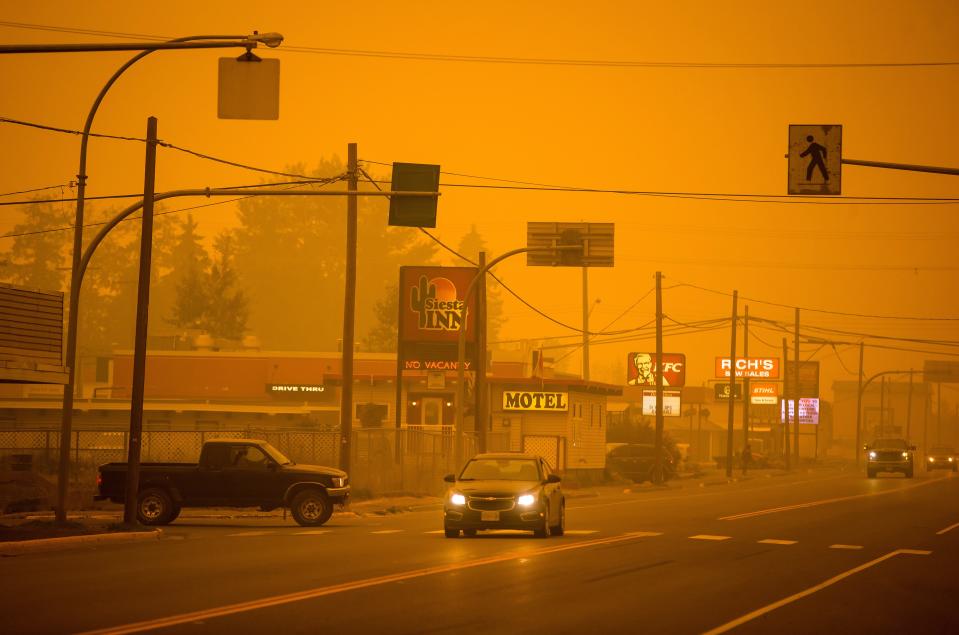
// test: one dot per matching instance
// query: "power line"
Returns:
(515, 60)
(41, 189)
(815, 310)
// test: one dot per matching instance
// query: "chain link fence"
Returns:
(383, 460)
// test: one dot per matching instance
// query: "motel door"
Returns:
(430, 410)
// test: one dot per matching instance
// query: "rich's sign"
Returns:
(753, 367)
(522, 400)
(641, 369)
(433, 303)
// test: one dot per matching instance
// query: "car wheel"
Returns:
(154, 507)
(560, 527)
(311, 508)
(175, 513)
(543, 531)
(452, 533)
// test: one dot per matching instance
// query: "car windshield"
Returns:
(891, 444)
(275, 454)
(942, 450)
(500, 470)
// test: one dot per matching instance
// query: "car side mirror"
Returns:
(450, 478)
(553, 478)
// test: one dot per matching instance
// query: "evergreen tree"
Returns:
(470, 245)
(382, 336)
(177, 295)
(227, 309)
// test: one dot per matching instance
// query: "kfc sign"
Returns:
(641, 369)
(752, 367)
(433, 303)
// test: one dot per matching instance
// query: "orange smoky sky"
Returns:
(667, 129)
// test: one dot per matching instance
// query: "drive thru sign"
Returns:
(815, 160)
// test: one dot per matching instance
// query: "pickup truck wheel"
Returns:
(155, 507)
(311, 508)
(175, 513)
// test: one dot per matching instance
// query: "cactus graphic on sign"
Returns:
(436, 304)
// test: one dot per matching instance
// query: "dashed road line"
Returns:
(851, 547)
(709, 537)
(774, 541)
(312, 532)
(739, 621)
(580, 532)
(387, 531)
(949, 528)
(245, 534)
(435, 531)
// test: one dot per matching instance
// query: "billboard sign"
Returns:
(672, 404)
(763, 393)
(433, 303)
(808, 378)
(641, 369)
(808, 411)
(752, 367)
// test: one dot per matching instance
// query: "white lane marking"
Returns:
(245, 534)
(709, 537)
(435, 531)
(773, 541)
(279, 600)
(387, 531)
(312, 532)
(739, 621)
(580, 532)
(826, 501)
(845, 546)
(949, 528)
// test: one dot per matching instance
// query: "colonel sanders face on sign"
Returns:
(643, 370)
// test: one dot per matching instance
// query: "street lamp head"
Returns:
(272, 40)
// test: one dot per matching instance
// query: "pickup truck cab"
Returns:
(890, 455)
(230, 473)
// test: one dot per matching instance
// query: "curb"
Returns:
(17, 547)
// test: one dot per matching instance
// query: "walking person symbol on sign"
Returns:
(815, 160)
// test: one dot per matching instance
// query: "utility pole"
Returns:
(732, 390)
(909, 408)
(349, 311)
(785, 409)
(882, 407)
(746, 396)
(658, 370)
(586, 323)
(479, 408)
(140, 340)
(859, 408)
(796, 392)
(938, 413)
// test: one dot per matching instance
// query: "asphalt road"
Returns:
(821, 552)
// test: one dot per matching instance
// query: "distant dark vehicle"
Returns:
(231, 473)
(504, 491)
(635, 462)
(942, 457)
(889, 455)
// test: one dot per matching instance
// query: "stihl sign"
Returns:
(753, 367)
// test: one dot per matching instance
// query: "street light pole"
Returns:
(190, 42)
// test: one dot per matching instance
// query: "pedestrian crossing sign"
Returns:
(815, 160)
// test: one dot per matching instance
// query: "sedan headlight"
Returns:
(458, 499)
(872, 455)
(905, 455)
(950, 459)
(526, 500)
(933, 460)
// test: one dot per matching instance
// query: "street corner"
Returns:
(27, 545)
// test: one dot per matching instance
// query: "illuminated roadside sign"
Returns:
(808, 411)
(721, 391)
(641, 369)
(672, 405)
(522, 400)
(752, 367)
(763, 393)
(433, 303)
(300, 392)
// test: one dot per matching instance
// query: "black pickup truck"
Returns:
(231, 473)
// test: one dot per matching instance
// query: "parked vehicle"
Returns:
(889, 455)
(635, 462)
(942, 458)
(504, 491)
(230, 473)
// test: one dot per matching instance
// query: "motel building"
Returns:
(251, 390)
